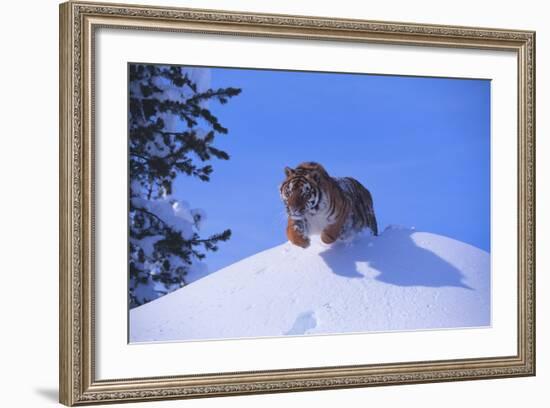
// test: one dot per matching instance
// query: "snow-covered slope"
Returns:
(401, 280)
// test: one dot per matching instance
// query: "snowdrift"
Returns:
(400, 280)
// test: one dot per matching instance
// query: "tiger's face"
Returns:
(300, 193)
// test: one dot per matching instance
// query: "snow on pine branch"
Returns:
(172, 132)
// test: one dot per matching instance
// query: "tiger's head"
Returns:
(301, 190)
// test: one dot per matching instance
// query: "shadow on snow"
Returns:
(397, 258)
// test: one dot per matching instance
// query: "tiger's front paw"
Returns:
(298, 239)
(327, 237)
(303, 242)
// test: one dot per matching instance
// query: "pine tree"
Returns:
(171, 132)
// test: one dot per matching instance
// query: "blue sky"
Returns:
(420, 145)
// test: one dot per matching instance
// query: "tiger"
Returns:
(318, 204)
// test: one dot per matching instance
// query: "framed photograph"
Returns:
(255, 203)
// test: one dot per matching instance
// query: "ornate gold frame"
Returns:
(78, 22)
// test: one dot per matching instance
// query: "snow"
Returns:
(400, 280)
(177, 214)
(201, 77)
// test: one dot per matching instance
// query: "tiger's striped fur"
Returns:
(317, 203)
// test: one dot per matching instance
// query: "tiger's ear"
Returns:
(315, 175)
(289, 172)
